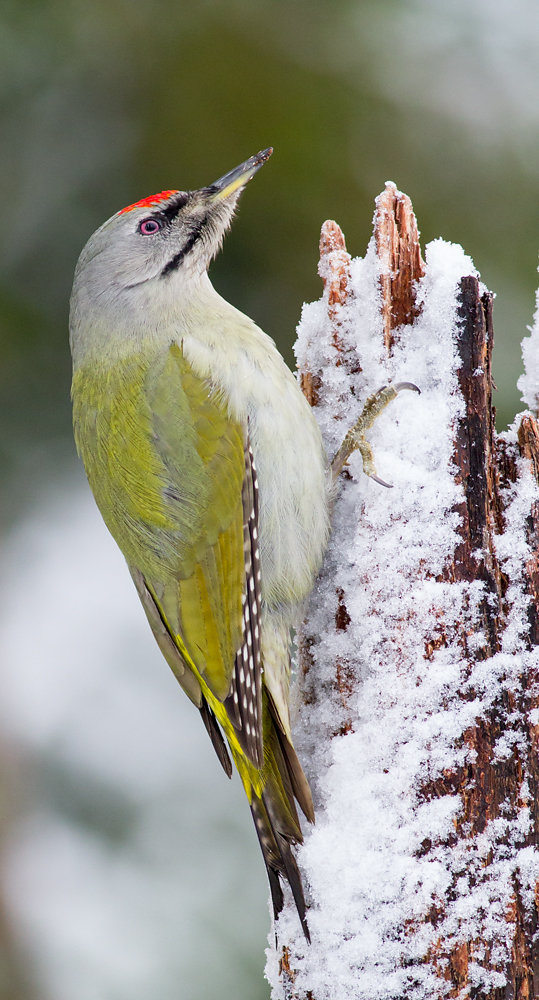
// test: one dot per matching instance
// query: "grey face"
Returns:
(155, 239)
(148, 260)
(170, 233)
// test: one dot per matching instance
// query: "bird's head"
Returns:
(169, 239)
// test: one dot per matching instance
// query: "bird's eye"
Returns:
(149, 226)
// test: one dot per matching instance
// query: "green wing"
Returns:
(174, 479)
(212, 603)
(201, 452)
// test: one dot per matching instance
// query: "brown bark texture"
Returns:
(489, 468)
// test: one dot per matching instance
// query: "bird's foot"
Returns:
(355, 440)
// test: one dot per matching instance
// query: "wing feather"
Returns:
(244, 702)
(198, 442)
(173, 476)
(213, 600)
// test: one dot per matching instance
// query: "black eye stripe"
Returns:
(176, 204)
(166, 215)
(175, 261)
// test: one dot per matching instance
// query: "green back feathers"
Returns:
(166, 465)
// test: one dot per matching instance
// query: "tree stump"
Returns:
(418, 703)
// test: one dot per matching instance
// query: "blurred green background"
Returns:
(102, 104)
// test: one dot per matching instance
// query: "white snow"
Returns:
(528, 382)
(381, 855)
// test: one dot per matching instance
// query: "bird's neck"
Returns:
(156, 313)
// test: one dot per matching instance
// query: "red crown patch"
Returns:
(153, 199)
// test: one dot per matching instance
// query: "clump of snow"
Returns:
(513, 548)
(382, 856)
(528, 382)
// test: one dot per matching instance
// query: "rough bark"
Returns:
(487, 465)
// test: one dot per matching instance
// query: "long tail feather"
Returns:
(279, 860)
(276, 819)
(293, 768)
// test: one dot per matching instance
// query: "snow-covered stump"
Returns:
(418, 705)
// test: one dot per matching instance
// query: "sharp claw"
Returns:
(407, 385)
(356, 435)
(381, 482)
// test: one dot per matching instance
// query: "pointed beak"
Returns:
(236, 179)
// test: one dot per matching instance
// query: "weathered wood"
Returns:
(334, 269)
(401, 265)
(490, 786)
(528, 442)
